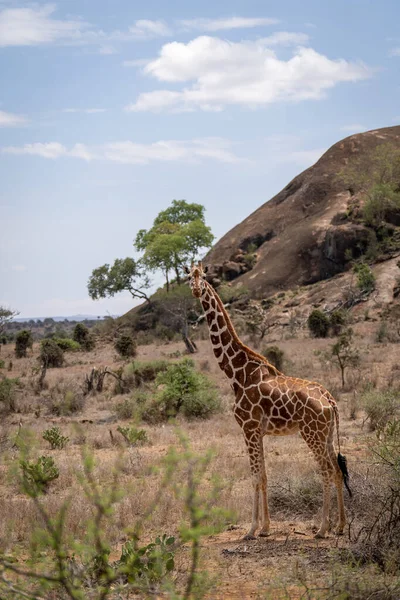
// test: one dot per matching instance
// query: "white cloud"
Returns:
(10, 120)
(37, 25)
(228, 23)
(146, 29)
(285, 38)
(353, 128)
(18, 268)
(32, 26)
(89, 111)
(243, 73)
(47, 150)
(395, 51)
(127, 152)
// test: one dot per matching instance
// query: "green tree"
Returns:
(376, 175)
(126, 274)
(365, 277)
(177, 236)
(23, 341)
(344, 352)
(6, 315)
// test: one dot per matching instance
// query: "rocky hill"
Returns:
(305, 233)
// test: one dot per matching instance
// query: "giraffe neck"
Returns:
(225, 342)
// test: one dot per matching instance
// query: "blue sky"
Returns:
(109, 110)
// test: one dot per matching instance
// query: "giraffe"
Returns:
(267, 402)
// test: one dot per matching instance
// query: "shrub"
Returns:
(126, 409)
(23, 341)
(275, 356)
(37, 476)
(55, 438)
(338, 320)
(66, 398)
(83, 337)
(67, 345)
(2, 364)
(133, 436)
(378, 540)
(51, 354)
(187, 391)
(380, 407)
(151, 562)
(318, 323)
(8, 394)
(125, 345)
(365, 277)
(382, 332)
(145, 372)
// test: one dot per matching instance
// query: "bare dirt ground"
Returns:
(272, 567)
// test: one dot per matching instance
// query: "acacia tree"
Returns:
(177, 236)
(125, 274)
(344, 353)
(6, 316)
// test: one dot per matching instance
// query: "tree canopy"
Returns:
(125, 274)
(177, 236)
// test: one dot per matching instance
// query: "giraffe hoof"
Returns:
(339, 532)
(249, 536)
(264, 534)
(319, 536)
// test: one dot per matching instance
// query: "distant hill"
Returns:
(303, 234)
(71, 318)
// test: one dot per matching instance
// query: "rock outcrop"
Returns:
(303, 235)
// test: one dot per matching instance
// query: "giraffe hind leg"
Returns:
(322, 448)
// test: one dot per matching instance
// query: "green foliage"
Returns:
(376, 175)
(37, 476)
(23, 341)
(250, 259)
(318, 323)
(83, 337)
(186, 391)
(55, 438)
(66, 344)
(380, 407)
(126, 409)
(8, 394)
(125, 345)
(51, 354)
(338, 319)
(275, 356)
(6, 316)
(147, 371)
(177, 236)
(382, 332)
(125, 274)
(2, 364)
(379, 540)
(344, 353)
(151, 563)
(77, 566)
(365, 277)
(229, 293)
(133, 436)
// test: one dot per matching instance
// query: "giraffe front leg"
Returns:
(325, 507)
(256, 509)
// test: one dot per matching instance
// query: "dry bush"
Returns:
(65, 398)
(380, 406)
(298, 495)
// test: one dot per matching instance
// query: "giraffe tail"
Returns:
(342, 462)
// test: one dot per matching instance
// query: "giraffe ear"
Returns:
(186, 269)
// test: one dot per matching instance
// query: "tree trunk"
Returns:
(167, 279)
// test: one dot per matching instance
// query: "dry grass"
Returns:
(294, 487)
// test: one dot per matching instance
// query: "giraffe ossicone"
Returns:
(267, 402)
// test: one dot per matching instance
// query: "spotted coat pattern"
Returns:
(270, 403)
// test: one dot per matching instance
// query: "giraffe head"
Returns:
(197, 277)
